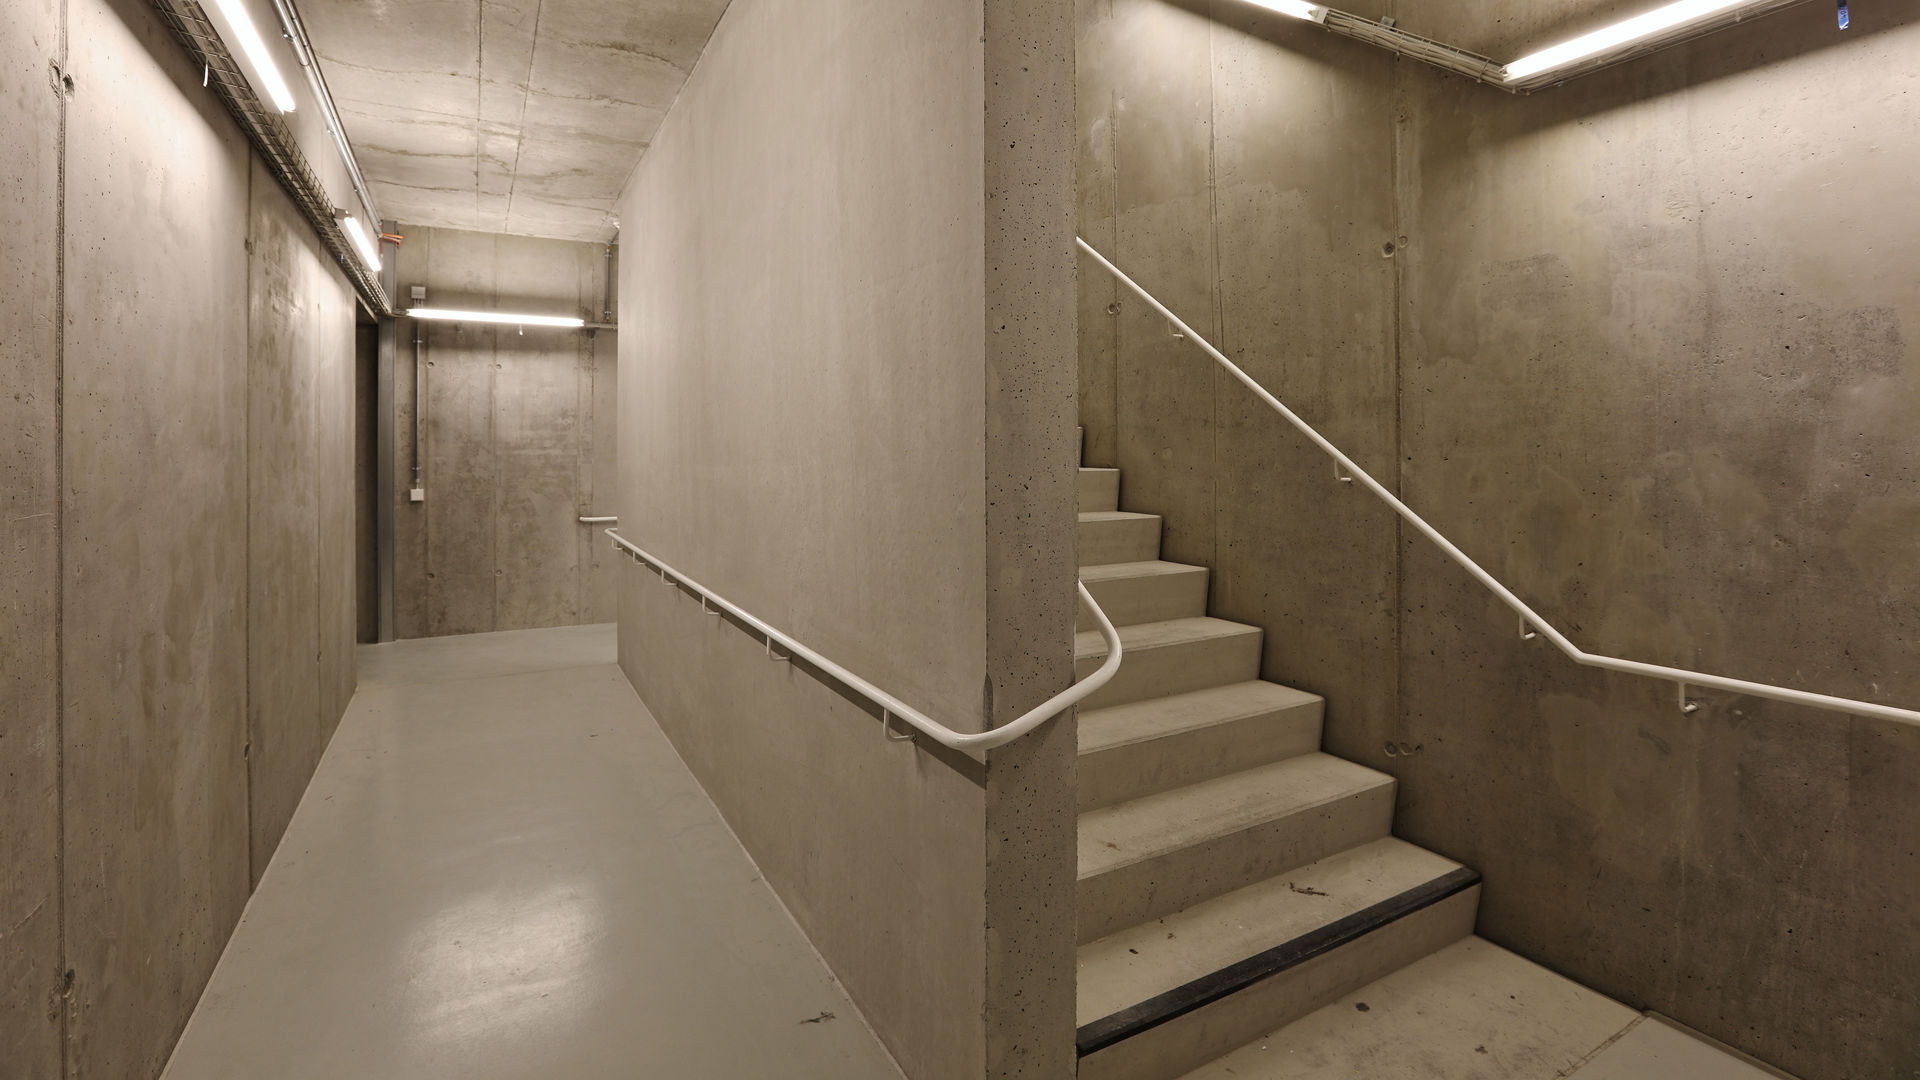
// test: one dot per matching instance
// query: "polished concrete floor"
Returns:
(502, 870)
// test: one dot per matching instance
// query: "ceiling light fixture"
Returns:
(369, 250)
(449, 315)
(257, 55)
(1619, 34)
(1299, 9)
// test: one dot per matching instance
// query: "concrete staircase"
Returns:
(1232, 878)
(1244, 910)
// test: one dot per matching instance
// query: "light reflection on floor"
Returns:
(503, 871)
(500, 964)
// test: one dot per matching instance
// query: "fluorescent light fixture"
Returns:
(1623, 33)
(1299, 9)
(494, 317)
(257, 54)
(369, 251)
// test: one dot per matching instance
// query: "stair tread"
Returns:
(1135, 965)
(1155, 825)
(1153, 635)
(1140, 721)
(1149, 568)
(1468, 1011)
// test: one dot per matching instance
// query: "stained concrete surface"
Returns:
(1660, 375)
(509, 116)
(518, 441)
(154, 591)
(300, 601)
(1652, 370)
(1474, 1011)
(808, 399)
(124, 600)
(31, 101)
(503, 870)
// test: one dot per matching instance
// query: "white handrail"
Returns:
(891, 706)
(598, 520)
(1530, 620)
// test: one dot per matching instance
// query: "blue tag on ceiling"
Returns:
(1845, 18)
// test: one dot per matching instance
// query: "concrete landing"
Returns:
(512, 875)
(508, 652)
(1474, 1011)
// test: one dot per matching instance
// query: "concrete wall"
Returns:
(847, 406)
(1690, 286)
(177, 585)
(1239, 165)
(1646, 357)
(517, 444)
(302, 597)
(32, 111)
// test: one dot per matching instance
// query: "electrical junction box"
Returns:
(417, 495)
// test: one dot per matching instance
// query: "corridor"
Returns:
(959, 540)
(503, 870)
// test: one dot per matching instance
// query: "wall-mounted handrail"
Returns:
(892, 707)
(1530, 620)
(599, 520)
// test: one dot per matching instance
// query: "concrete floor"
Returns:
(502, 869)
(1474, 1011)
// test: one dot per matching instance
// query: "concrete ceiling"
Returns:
(511, 116)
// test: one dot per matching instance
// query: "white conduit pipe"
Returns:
(1530, 619)
(892, 707)
(317, 82)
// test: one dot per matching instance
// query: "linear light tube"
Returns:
(369, 251)
(494, 317)
(257, 54)
(1299, 9)
(1612, 37)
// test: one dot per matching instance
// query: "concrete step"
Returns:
(1146, 747)
(1161, 998)
(1138, 592)
(1113, 536)
(1471, 1011)
(1099, 489)
(1172, 656)
(1149, 857)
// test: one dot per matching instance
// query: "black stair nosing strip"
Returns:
(1208, 989)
